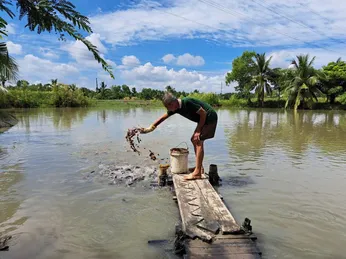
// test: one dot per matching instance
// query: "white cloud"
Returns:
(33, 68)
(10, 28)
(130, 61)
(83, 56)
(14, 48)
(189, 60)
(284, 57)
(184, 60)
(237, 23)
(159, 77)
(169, 58)
(48, 53)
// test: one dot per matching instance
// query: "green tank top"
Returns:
(189, 108)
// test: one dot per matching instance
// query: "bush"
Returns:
(209, 98)
(342, 99)
(60, 97)
(234, 101)
(65, 97)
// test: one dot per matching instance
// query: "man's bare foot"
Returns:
(192, 169)
(192, 176)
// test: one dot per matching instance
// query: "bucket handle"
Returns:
(182, 143)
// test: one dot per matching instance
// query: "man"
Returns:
(195, 110)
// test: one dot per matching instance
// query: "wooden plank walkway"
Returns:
(212, 230)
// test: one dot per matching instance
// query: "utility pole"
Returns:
(221, 88)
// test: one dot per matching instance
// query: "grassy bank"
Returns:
(125, 103)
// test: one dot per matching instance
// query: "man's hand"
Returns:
(149, 129)
(196, 137)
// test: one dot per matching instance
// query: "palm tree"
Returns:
(73, 87)
(8, 67)
(54, 84)
(276, 77)
(260, 80)
(52, 15)
(302, 84)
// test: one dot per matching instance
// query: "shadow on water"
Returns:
(237, 180)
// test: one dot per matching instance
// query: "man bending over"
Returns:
(195, 110)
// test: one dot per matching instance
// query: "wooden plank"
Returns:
(208, 221)
(188, 197)
(225, 218)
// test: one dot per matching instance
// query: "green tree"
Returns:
(334, 82)
(303, 84)
(126, 91)
(59, 16)
(134, 92)
(276, 78)
(8, 66)
(73, 87)
(54, 84)
(243, 68)
(87, 92)
(23, 84)
(260, 79)
(117, 92)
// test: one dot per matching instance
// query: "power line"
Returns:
(226, 10)
(292, 20)
(215, 28)
(318, 14)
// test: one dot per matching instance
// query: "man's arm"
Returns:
(203, 115)
(155, 124)
(160, 120)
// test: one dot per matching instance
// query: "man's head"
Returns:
(170, 101)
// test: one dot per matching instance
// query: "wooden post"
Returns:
(213, 175)
(162, 177)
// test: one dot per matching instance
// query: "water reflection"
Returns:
(295, 132)
(102, 115)
(62, 118)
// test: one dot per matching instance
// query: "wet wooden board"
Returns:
(206, 220)
(201, 207)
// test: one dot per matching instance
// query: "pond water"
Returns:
(283, 170)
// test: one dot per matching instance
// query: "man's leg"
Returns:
(194, 148)
(208, 132)
(197, 173)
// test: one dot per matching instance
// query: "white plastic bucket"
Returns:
(179, 160)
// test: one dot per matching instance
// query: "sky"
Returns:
(187, 44)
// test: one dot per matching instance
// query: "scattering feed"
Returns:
(131, 136)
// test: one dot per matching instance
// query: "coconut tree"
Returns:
(8, 67)
(59, 16)
(302, 85)
(261, 78)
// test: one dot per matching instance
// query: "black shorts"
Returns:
(208, 131)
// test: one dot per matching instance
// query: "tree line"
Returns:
(300, 85)
(26, 95)
(102, 91)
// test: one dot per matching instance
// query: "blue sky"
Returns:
(188, 44)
